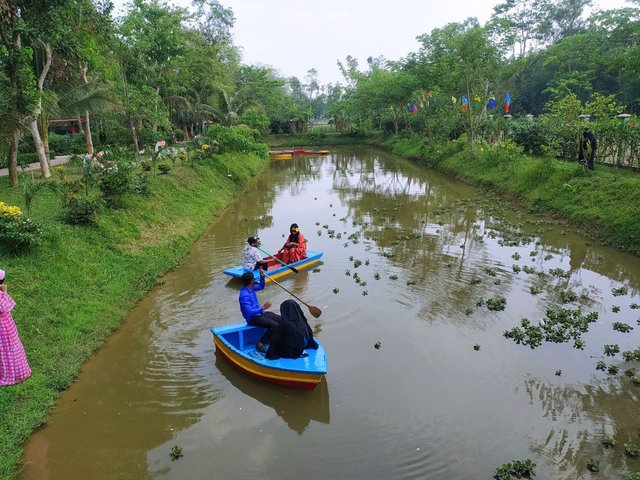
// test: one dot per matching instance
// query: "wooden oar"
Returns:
(313, 310)
(276, 258)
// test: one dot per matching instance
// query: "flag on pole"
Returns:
(492, 102)
(507, 102)
(465, 103)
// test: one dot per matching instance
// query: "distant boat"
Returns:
(237, 343)
(281, 156)
(312, 258)
(318, 152)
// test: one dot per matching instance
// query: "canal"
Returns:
(430, 271)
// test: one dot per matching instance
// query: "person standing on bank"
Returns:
(588, 140)
(14, 367)
(254, 313)
(252, 258)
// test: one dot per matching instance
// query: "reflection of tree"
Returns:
(296, 407)
(588, 413)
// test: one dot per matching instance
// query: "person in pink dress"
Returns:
(14, 367)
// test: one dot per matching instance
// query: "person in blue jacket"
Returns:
(253, 312)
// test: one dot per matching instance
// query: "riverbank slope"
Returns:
(76, 288)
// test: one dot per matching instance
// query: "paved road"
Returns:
(59, 160)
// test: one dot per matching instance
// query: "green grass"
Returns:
(604, 204)
(74, 290)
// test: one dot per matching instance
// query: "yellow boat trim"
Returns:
(287, 271)
(259, 370)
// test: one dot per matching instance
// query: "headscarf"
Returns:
(291, 313)
(293, 237)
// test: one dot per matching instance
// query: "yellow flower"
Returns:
(9, 210)
(205, 147)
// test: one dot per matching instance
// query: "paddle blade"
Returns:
(315, 311)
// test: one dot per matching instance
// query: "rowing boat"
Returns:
(312, 258)
(237, 343)
(281, 156)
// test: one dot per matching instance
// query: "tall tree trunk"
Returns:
(44, 126)
(13, 157)
(33, 120)
(86, 124)
(186, 134)
(42, 157)
(134, 135)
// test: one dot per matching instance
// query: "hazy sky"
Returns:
(294, 36)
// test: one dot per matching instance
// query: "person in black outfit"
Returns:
(588, 139)
(293, 334)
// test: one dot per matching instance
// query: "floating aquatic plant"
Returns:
(631, 449)
(497, 303)
(613, 370)
(516, 256)
(608, 441)
(528, 269)
(601, 365)
(356, 263)
(548, 257)
(474, 281)
(622, 327)
(617, 292)
(615, 308)
(517, 468)
(336, 290)
(568, 296)
(535, 289)
(377, 345)
(558, 272)
(515, 268)
(376, 276)
(491, 272)
(593, 465)
(175, 452)
(476, 347)
(610, 350)
(315, 270)
(393, 277)
(365, 293)
(468, 311)
(558, 373)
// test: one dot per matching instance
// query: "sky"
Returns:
(294, 36)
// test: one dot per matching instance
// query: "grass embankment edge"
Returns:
(603, 204)
(73, 291)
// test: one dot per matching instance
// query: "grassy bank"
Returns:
(75, 289)
(604, 204)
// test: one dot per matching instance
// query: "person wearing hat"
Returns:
(14, 367)
(254, 313)
(252, 258)
(295, 248)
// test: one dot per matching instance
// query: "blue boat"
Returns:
(237, 343)
(312, 258)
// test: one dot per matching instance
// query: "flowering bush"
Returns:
(80, 211)
(17, 232)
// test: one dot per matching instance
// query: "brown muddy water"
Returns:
(425, 405)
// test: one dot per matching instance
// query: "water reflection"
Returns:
(605, 406)
(296, 407)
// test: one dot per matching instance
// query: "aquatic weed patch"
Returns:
(559, 326)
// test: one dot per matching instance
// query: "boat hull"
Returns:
(312, 258)
(236, 343)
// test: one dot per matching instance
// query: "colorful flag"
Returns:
(492, 102)
(465, 103)
(507, 103)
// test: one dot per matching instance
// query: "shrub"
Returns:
(164, 169)
(17, 232)
(234, 139)
(80, 211)
(116, 175)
